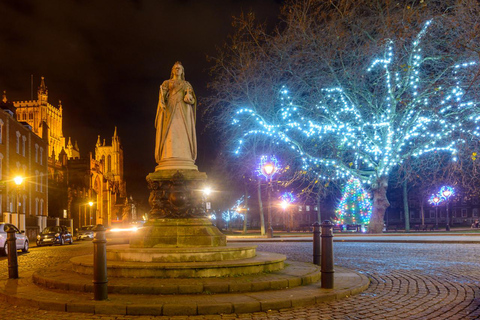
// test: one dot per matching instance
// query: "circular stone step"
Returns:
(262, 262)
(175, 255)
(295, 274)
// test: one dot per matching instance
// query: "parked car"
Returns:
(21, 242)
(54, 235)
(85, 232)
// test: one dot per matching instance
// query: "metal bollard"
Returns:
(12, 253)
(100, 280)
(316, 243)
(327, 255)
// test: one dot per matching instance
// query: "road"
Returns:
(408, 281)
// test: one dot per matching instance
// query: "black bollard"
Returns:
(327, 255)
(12, 253)
(100, 280)
(316, 243)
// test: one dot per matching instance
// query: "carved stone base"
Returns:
(193, 232)
(177, 217)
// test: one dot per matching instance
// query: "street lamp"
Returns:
(436, 200)
(18, 181)
(447, 192)
(287, 198)
(268, 167)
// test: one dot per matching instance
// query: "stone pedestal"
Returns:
(177, 217)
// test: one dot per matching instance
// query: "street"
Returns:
(408, 281)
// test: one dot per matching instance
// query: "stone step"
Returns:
(295, 274)
(176, 255)
(24, 292)
(262, 262)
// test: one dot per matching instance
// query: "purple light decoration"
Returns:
(436, 199)
(447, 192)
(268, 166)
(287, 197)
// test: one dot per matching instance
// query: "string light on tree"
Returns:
(406, 108)
(355, 206)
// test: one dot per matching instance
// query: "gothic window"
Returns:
(103, 161)
(41, 156)
(1, 131)
(36, 180)
(41, 207)
(30, 116)
(36, 206)
(18, 142)
(24, 140)
(36, 152)
(41, 182)
(109, 163)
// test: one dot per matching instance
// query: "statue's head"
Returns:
(177, 64)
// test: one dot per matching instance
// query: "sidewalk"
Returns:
(470, 238)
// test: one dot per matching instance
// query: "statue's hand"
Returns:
(189, 98)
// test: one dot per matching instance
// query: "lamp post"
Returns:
(268, 167)
(18, 181)
(287, 198)
(435, 200)
(447, 192)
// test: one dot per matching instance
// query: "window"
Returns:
(41, 182)
(307, 208)
(24, 140)
(30, 116)
(1, 167)
(36, 152)
(41, 207)
(109, 163)
(41, 156)
(299, 208)
(1, 131)
(36, 206)
(36, 180)
(464, 213)
(475, 212)
(18, 142)
(316, 208)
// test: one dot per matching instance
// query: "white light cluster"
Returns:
(411, 119)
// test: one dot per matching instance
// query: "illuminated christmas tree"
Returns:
(355, 207)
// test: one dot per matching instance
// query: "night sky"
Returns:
(105, 59)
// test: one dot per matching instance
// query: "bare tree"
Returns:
(352, 88)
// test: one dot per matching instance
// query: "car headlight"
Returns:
(57, 235)
(39, 237)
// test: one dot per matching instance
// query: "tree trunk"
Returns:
(319, 215)
(260, 207)
(380, 204)
(405, 207)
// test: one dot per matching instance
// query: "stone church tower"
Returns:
(112, 159)
(34, 112)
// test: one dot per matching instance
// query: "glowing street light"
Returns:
(447, 192)
(268, 167)
(207, 191)
(436, 200)
(18, 181)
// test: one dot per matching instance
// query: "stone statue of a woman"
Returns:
(176, 141)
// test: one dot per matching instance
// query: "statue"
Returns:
(176, 141)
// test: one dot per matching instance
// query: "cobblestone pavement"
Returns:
(408, 281)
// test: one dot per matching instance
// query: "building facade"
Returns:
(22, 154)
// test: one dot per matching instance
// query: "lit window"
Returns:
(18, 142)
(1, 131)
(307, 208)
(299, 208)
(24, 140)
